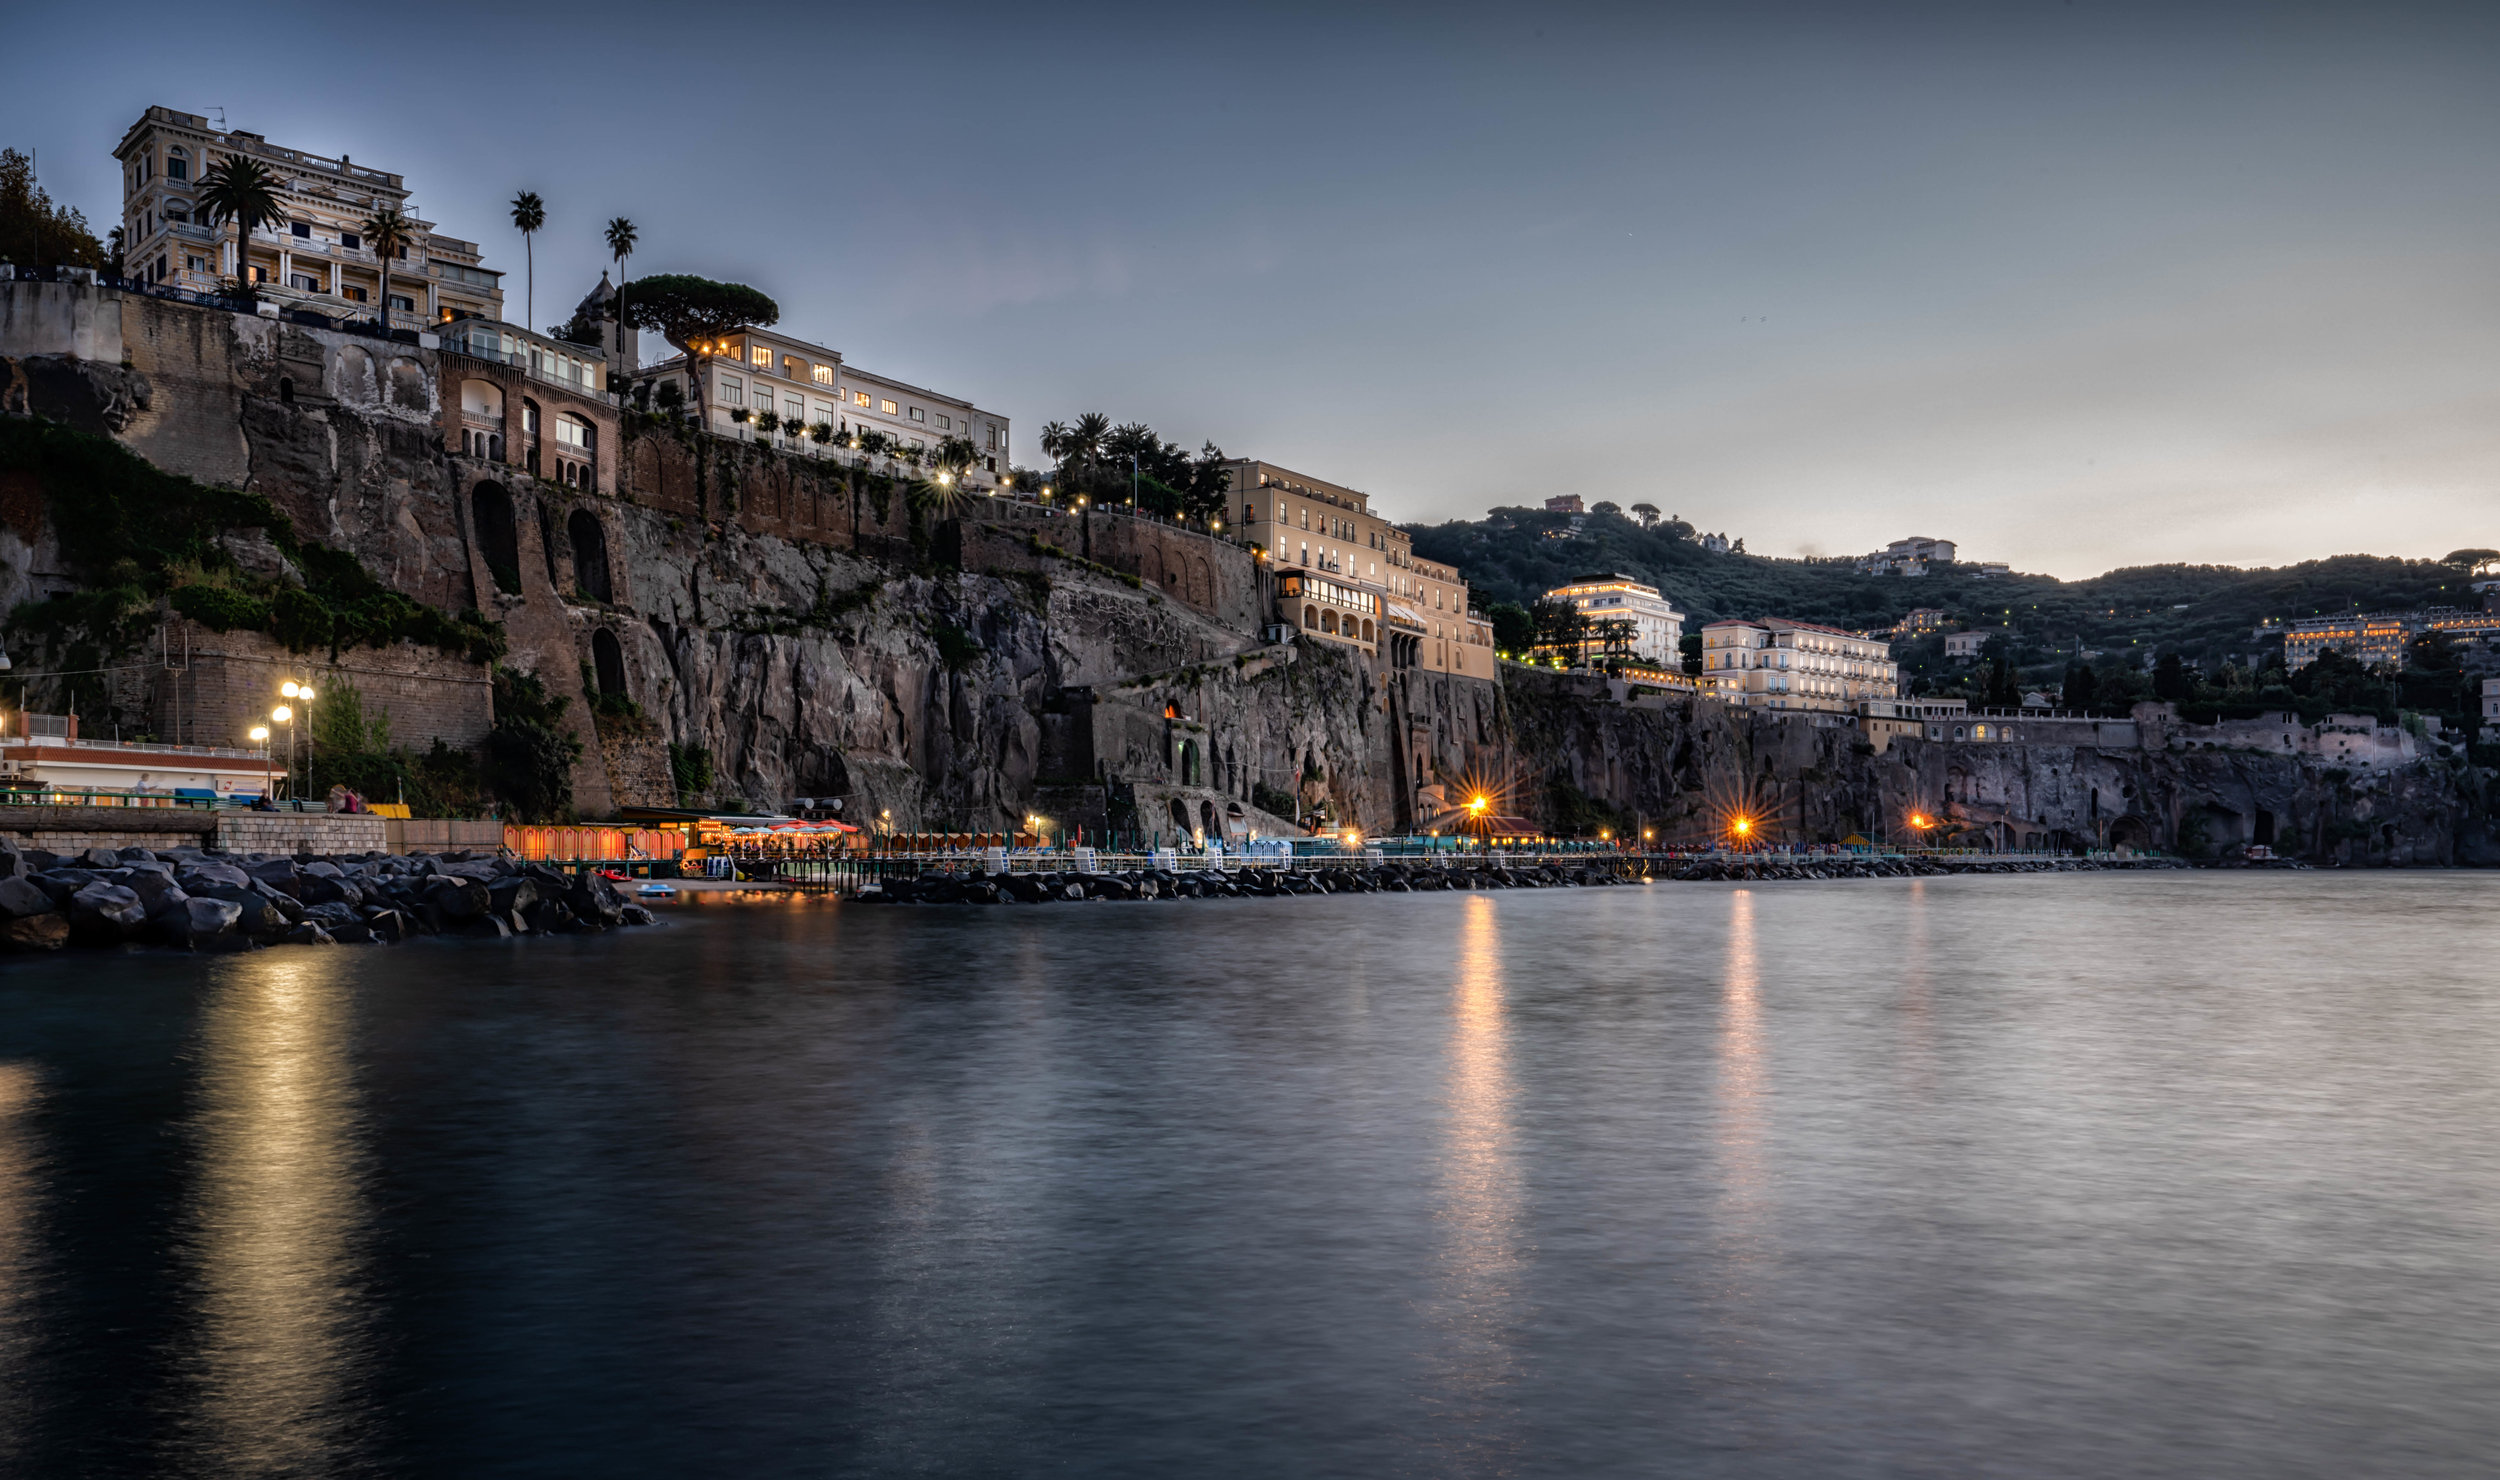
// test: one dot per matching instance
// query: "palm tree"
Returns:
(389, 233)
(620, 246)
(242, 190)
(1055, 446)
(529, 213)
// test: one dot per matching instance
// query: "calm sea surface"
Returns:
(2090, 1176)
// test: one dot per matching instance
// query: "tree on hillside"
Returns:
(33, 230)
(1647, 514)
(1514, 631)
(2081, 687)
(241, 189)
(690, 311)
(2171, 680)
(2468, 558)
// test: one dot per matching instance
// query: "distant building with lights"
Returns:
(2383, 638)
(1657, 627)
(1796, 666)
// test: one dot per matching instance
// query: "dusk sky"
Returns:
(2079, 286)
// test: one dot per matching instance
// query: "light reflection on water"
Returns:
(1477, 1308)
(2081, 1176)
(278, 1225)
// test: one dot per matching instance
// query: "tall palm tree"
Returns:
(242, 190)
(1055, 446)
(389, 233)
(529, 213)
(620, 246)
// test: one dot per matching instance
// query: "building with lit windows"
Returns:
(317, 259)
(1657, 627)
(2383, 638)
(1306, 525)
(1781, 665)
(1909, 557)
(803, 385)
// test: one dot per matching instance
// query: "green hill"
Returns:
(2206, 613)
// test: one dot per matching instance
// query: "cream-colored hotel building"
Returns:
(1349, 576)
(1777, 664)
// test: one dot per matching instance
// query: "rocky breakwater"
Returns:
(191, 900)
(1248, 883)
(1747, 869)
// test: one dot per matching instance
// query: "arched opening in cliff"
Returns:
(2262, 832)
(1206, 820)
(590, 554)
(498, 542)
(1189, 763)
(1180, 815)
(2132, 833)
(607, 661)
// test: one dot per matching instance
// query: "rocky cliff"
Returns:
(817, 633)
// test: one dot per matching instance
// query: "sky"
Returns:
(2079, 286)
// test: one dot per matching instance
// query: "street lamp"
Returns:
(260, 737)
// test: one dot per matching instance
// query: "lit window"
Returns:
(887, 407)
(822, 374)
(763, 357)
(859, 398)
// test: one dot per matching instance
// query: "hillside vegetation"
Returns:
(2206, 613)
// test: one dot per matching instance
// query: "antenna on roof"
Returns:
(221, 118)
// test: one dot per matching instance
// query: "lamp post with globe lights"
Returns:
(260, 737)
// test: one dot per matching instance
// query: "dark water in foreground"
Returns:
(2083, 1176)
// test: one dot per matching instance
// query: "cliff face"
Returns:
(956, 669)
(1686, 768)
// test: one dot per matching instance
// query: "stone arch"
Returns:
(498, 542)
(407, 385)
(1328, 621)
(607, 662)
(1206, 820)
(356, 383)
(1202, 583)
(1367, 629)
(1310, 619)
(1180, 815)
(590, 555)
(1189, 763)
(2131, 832)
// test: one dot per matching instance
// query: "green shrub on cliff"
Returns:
(134, 533)
(529, 758)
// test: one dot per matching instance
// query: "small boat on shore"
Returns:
(656, 890)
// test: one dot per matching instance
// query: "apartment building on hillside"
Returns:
(317, 259)
(1351, 577)
(1796, 666)
(803, 385)
(1909, 557)
(2384, 638)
